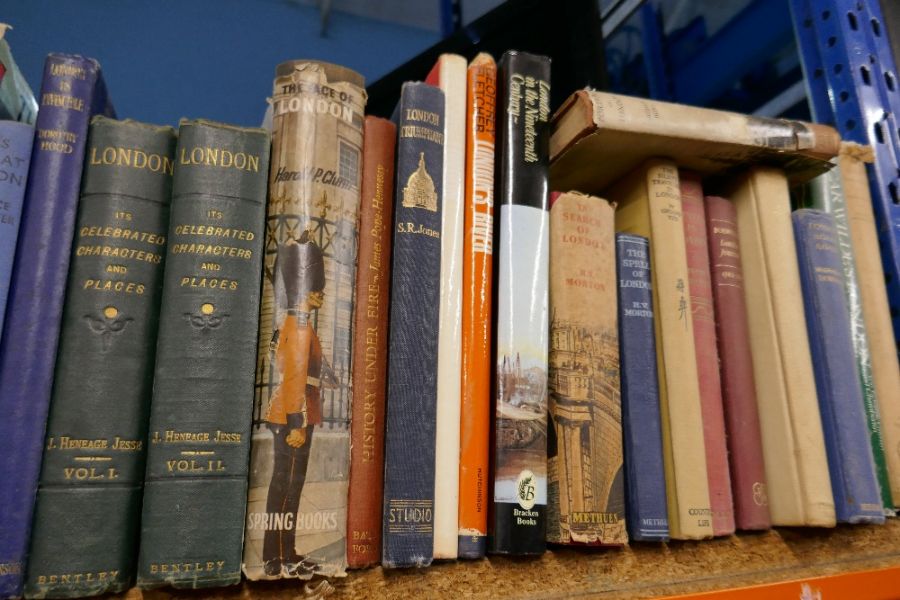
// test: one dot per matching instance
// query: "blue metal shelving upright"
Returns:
(852, 84)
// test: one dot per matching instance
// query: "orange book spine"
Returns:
(475, 419)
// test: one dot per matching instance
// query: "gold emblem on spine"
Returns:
(419, 191)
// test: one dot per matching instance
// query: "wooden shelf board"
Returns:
(637, 571)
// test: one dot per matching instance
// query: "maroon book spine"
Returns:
(703, 316)
(748, 477)
(370, 338)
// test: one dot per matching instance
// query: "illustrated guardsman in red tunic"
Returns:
(295, 407)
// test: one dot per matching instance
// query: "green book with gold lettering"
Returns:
(88, 503)
(195, 491)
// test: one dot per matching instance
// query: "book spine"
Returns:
(875, 308)
(369, 360)
(828, 196)
(300, 462)
(196, 480)
(408, 522)
(87, 510)
(522, 264)
(745, 455)
(451, 75)
(585, 486)
(475, 418)
(703, 317)
(69, 92)
(15, 155)
(645, 479)
(850, 463)
(797, 480)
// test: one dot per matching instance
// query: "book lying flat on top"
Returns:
(620, 132)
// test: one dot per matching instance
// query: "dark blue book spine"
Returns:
(70, 94)
(412, 368)
(645, 482)
(857, 498)
(15, 155)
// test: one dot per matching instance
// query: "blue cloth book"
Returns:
(409, 454)
(72, 91)
(15, 155)
(857, 497)
(645, 482)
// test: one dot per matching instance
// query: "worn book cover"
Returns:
(449, 74)
(874, 300)
(585, 478)
(409, 453)
(798, 484)
(857, 498)
(649, 205)
(827, 194)
(88, 507)
(522, 316)
(704, 320)
(72, 91)
(620, 132)
(370, 344)
(300, 457)
(745, 454)
(15, 156)
(478, 248)
(195, 485)
(645, 478)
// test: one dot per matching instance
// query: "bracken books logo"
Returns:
(525, 489)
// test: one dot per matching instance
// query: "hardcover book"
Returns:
(857, 498)
(585, 479)
(797, 480)
(827, 194)
(71, 92)
(449, 74)
(300, 458)
(88, 506)
(649, 204)
(645, 478)
(620, 132)
(874, 301)
(703, 316)
(195, 490)
(409, 454)
(17, 101)
(370, 345)
(745, 454)
(478, 248)
(15, 155)
(522, 232)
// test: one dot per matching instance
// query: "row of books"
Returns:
(395, 316)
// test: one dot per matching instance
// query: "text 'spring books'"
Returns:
(300, 457)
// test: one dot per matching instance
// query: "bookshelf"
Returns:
(865, 558)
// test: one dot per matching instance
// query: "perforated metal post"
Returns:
(852, 84)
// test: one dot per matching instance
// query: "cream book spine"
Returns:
(799, 485)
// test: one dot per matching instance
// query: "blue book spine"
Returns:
(645, 481)
(15, 155)
(857, 497)
(71, 92)
(408, 538)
